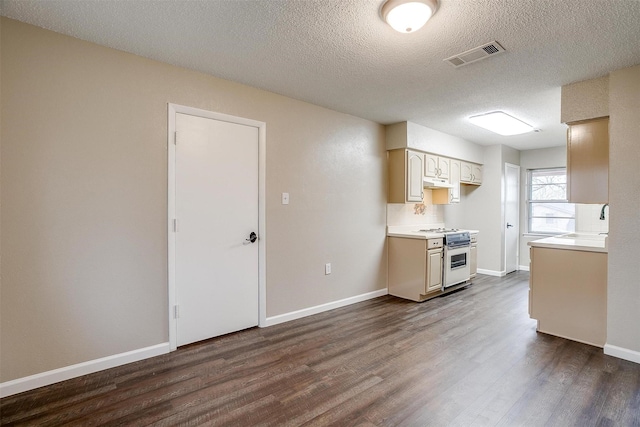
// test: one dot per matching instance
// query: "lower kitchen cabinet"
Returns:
(434, 269)
(568, 294)
(415, 268)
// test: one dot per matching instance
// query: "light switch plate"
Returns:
(327, 268)
(285, 198)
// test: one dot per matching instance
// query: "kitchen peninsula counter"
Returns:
(574, 242)
(568, 287)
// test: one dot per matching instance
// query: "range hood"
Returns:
(436, 183)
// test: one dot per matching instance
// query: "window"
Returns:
(549, 211)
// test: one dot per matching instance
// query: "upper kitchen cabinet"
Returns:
(588, 161)
(471, 173)
(405, 176)
(443, 157)
(436, 166)
(445, 196)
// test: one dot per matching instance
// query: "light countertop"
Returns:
(589, 242)
(411, 232)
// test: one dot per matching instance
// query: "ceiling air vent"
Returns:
(475, 54)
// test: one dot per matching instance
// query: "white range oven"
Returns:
(456, 259)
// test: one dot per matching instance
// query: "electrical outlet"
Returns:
(285, 198)
(327, 268)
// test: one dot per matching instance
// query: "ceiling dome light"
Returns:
(407, 16)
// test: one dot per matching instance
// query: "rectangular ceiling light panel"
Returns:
(501, 123)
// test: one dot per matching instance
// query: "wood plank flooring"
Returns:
(471, 358)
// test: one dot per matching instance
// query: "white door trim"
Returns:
(174, 109)
(517, 225)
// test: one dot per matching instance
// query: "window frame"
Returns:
(531, 202)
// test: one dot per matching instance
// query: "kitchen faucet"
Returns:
(602, 211)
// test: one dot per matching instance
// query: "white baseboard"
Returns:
(622, 353)
(281, 318)
(523, 268)
(19, 385)
(492, 272)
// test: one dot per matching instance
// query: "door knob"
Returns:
(509, 225)
(252, 238)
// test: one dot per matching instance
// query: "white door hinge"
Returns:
(175, 225)
(176, 311)
(175, 138)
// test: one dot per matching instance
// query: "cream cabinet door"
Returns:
(444, 168)
(436, 166)
(414, 177)
(430, 165)
(471, 173)
(434, 270)
(476, 174)
(466, 172)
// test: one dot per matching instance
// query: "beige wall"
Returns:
(623, 300)
(585, 100)
(483, 210)
(84, 198)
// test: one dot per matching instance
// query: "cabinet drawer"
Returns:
(434, 243)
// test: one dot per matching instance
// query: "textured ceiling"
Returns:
(341, 55)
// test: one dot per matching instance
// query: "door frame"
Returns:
(172, 110)
(504, 222)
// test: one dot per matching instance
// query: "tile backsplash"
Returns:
(587, 216)
(588, 219)
(415, 214)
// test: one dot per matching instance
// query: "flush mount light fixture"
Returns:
(407, 16)
(501, 123)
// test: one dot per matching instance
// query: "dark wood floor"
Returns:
(472, 358)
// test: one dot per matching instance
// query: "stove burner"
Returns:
(440, 230)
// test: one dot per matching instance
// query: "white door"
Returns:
(512, 216)
(216, 208)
